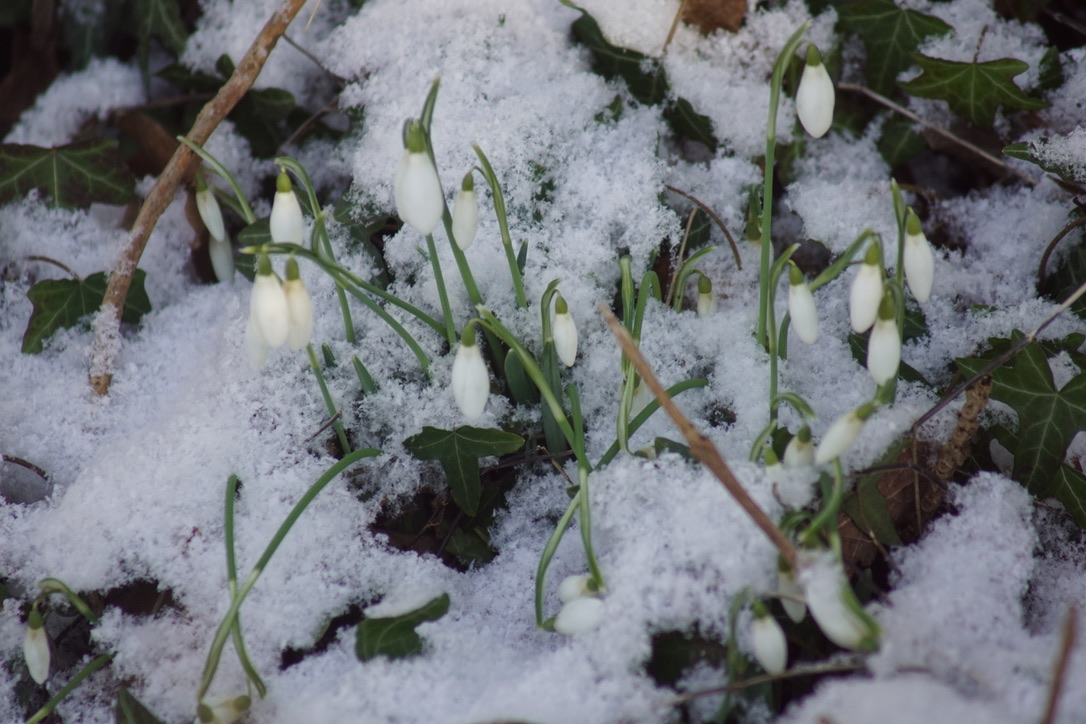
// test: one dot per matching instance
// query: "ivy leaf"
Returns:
(74, 175)
(1048, 419)
(973, 90)
(129, 710)
(395, 637)
(459, 451)
(159, 19)
(61, 303)
(890, 35)
(1055, 154)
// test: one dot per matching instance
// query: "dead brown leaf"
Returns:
(709, 15)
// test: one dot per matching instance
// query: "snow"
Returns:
(137, 478)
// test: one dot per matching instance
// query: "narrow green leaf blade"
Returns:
(395, 637)
(129, 710)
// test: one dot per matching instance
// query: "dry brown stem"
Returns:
(181, 165)
(700, 446)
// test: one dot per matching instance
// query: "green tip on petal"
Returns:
(886, 306)
(35, 620)
(468, 184)
(795, 276)
(560, 306)
(414, 139)
(760, 611)
(814, 58)
(467, 337)
(804, 434)
(292, 269)
(912, 223)
(201, 185)
(873, 255)
(242, 703)
(263, 265)
(771, 458)
(705, 285)
(282, 183)
(204, 713)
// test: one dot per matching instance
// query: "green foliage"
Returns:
(129, 710)
(459, 451)
(891, 35)
(868, 508)
(61, 303)
(395, 637)
(1032, 152)
(900, 142)
(75, 175)
(973, 90)
(1048, 420)
(159, 20)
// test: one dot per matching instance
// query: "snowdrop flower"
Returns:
(208, 206)
(564, 332)
(842, 433)
(222, 711)
(801, 307)
(470, 379)
(36, 647)
(767, 641)
(465, 213)
(299, 308)
(706, 298)
(836, 611)
(865, 296)
(222, 259)
(417, 189)
(800, 450)
(268, 308)
(884, 344)
(286, 224)
(573, 587)
(787, 584)
(814, 97)
(579, 615)
(919, 262)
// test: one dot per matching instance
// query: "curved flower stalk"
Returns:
(470, 379)
(286, 223)
(792, 590)
(465, 213)
(815, 96)
(842, 433)
(919, 262)
(564, 331)
(884, 344)
(420, 201)
(801, 307)
(866, 292)
(767, 641)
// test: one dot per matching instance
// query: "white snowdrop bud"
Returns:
(884, 344)
(573, 587)
(222, 259)
(801, 307)
(815, 97)
(417, 189)
(800, 450)
(268, 306)
(222, 711)
(767, 641)
(564, 332)
(208, 206)
(919, 262)
(299, 308)
(835, 609)
(286, 224)
(254, 345)
(465, 213)
(706, 298)
(842, 433)
(787, 584)
(866, 292)
(470, 379)
(579, 615)
(36, 647)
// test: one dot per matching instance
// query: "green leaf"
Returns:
(61, 303)
(129, 710)
(395, 637)
(900, 142)
(160, 19)
(686, 123)
(890, 35)
(1048, 419)
(1071, 491)
(1069, 166)
(973, 90)
(459, 451)
(75, 175)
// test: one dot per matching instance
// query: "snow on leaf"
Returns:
(459, 451)
(74, 175)
(973, 90)
(891, 36)
(395, 636)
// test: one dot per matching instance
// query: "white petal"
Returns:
(300, 313)
(919, 266)
(801, 307)
(465, 218)
(883, 351)
(815, 100)
(787, 583)
(470, 381)
(564, 331)
(706, 304)
(825, 588)
(222, 259)
(286, 224)
(842, 433)
(419, 200)
(579, 615)
(798, 453)
(864, 297)
(208, 206)
(36, 653)
(573, 587)
(768, 644)
(268, 309)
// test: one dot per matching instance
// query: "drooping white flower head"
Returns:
(573, 587)
(866, 292)
(36, 647)
(815, 96)
(208, 206)
(465, 213)
(800, 450)
(919, 262)
(801, 307)
(835, 608)
(299, 308)
(268, 306)
(222, 711)
(564, 332)
(579, 615)
(884, 344)
(286, 224)
(767, 641)
(706, 298)
(787, 584)
(842, 433)
(470, 379)
(417, 188)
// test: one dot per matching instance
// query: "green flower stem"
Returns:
(684, 274)
(503, 225)
(766, 242)
(900, 214)
(548, 554)
(582, 476)
(232, 585)
(442, 293)
(55, 585)
(798, 403)
(230, 619)
(246, 210)
(773, 280)
(645, 414)
(841, 262)
(329, 404)
(68, 688)
(828, 514)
